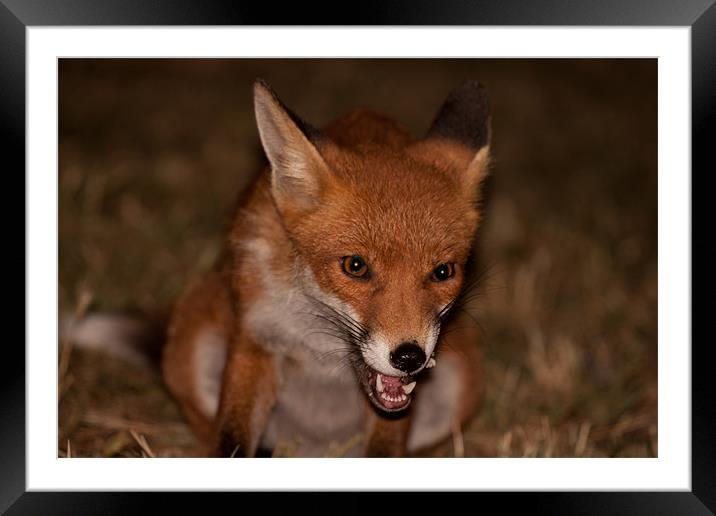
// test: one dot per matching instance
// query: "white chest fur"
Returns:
(320, 402)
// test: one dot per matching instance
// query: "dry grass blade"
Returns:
(142, 442)
(458, 442)
(626, 425)
(114, 444)
(582, 438)
(118, 423)
(505, 444)
(547, 436)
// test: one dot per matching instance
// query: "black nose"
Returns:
(407, 357)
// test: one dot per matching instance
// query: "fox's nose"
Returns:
(407, 357)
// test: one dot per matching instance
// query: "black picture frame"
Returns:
(17, 15)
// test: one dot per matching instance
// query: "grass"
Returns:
(153, 153)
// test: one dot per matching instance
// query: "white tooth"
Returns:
(431, 363)
(408, 388)
(379, 384)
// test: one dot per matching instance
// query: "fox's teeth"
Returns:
(431, 363)
(408, 388)
(379, 384)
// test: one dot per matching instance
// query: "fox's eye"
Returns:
(355, 266)
(443, 272)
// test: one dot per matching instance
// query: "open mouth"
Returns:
(390, 393)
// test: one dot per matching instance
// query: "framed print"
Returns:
(461, 251)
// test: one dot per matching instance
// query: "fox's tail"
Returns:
(136, 339)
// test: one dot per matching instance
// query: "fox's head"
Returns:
(382, 232)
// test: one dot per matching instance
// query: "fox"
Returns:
(332, 309)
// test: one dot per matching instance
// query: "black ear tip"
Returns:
(471, 85)
(464, 116)
(470, 93)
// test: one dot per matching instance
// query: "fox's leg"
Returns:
(194, 355)
(248, 394)
(453, 389)
(386, 436)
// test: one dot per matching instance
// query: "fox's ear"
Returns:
(297, 168)
(464, 119)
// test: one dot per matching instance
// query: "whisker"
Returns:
(342, 317)
(340, 325)
(472, 290)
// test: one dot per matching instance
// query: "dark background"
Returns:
(153, 152)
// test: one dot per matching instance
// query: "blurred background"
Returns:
(152, 154)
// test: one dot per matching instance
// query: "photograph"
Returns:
(357, 257)
(454, 239)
